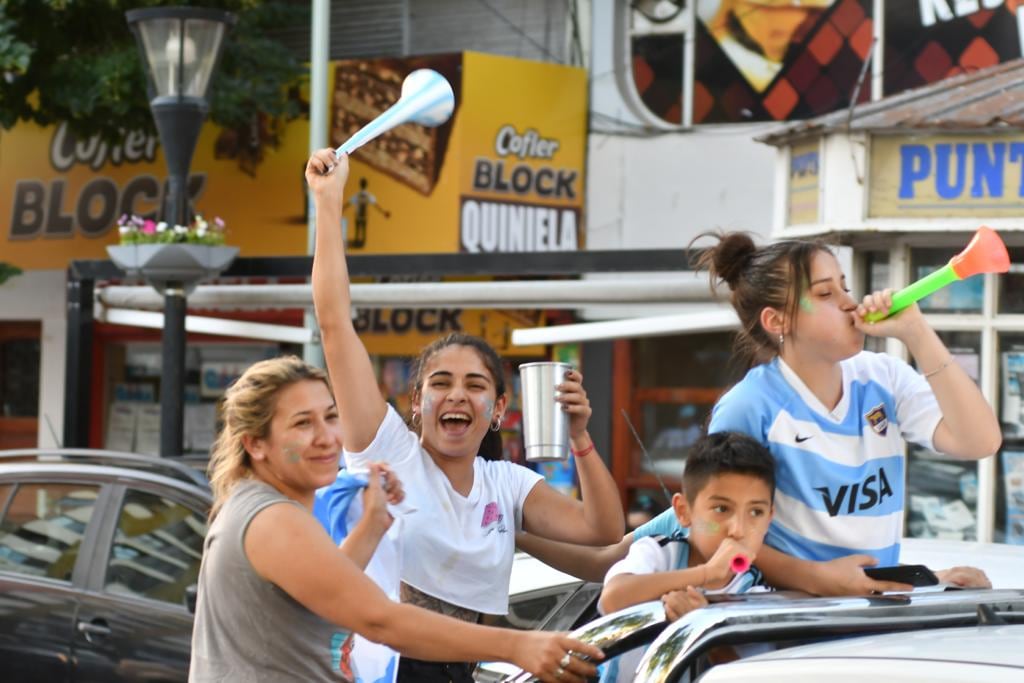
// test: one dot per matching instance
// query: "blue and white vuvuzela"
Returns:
(427, 99)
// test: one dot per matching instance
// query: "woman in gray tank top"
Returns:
(278, 601)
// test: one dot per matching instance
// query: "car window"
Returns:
(529, 610)
(42, 528)
(577, 610)
(157, 547)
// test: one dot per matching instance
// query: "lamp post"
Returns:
(180, 49)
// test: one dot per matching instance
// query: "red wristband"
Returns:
(585, 451)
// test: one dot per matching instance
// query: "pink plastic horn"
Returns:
(740, 563)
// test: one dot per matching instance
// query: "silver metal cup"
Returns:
(545, 424)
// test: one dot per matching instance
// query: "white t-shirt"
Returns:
(456, 548)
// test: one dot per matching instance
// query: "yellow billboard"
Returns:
(61, 196)
(506, 174)
(406, 331)
(969, 176)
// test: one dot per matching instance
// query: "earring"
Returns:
(415, 420)
(782, 340)
(496, 425)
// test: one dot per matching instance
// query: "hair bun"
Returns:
(731, 256)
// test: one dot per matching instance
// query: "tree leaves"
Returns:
(76, 61)
(7, 271)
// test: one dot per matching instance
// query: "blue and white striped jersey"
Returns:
(840, 473)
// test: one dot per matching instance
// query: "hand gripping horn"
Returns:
(985, 253)
(427, 99)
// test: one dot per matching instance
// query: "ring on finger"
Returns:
(558, 672)
(564, 661)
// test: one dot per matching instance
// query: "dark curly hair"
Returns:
(775, 275)
(491, 446)
(726, 453)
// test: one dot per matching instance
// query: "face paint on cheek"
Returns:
(428, 405)
(806, 305)
(706, 527)
(488, 409)
(292, 452)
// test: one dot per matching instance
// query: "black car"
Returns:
(99, 555)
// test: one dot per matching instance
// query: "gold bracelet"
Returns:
(939, 369)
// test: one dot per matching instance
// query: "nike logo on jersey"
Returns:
(863, 495)
(801, 439)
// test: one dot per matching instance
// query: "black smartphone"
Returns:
(913, 574)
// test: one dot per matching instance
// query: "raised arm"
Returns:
(327, 583)
(360, 404)
(598, 519)
(969, 428)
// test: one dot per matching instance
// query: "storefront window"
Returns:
(678, 380)
(1010, 472)
(133, 391)
(1011, 285)
(19, 370)
(962, 296)
(942, 492)
(876, 277)
(19, 384)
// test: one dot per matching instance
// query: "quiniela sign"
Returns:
(517, 224)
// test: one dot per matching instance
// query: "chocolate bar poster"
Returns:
(505, 173)
(762, 60)
(930, 40)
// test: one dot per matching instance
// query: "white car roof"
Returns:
(530, 574)
(975, 653)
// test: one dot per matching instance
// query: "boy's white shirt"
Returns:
(647, 556)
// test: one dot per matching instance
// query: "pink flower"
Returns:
(149, 227)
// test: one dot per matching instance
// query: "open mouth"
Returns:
(455, 423)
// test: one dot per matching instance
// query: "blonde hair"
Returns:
(247, 410)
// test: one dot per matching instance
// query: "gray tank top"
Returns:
(246, 628)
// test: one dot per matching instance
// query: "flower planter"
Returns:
(159, 264)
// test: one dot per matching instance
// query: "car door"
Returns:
(46, 531)
(134, 624)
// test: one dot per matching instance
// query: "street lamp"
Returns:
(180, 49)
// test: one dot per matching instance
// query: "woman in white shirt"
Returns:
(457, 547)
